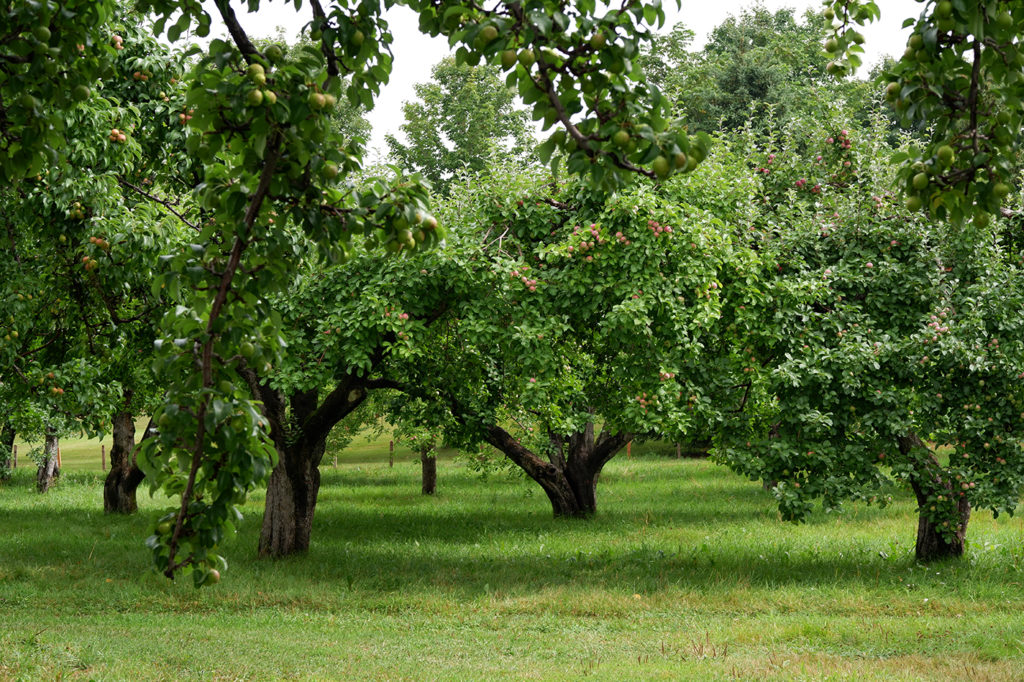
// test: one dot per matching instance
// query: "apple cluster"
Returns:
(658, 229)
(530, 284)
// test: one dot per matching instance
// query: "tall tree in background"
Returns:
(464, 117)
(759, 58)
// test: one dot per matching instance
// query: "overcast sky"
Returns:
(416, 53)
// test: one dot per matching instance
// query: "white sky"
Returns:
(416, 53)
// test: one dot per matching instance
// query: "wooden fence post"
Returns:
(391, 458)
(629, 450)
(679, 450)
(103, 457)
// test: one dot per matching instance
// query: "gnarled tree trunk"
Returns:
(935, 540)
(291, 500)
(428, 466)
(569, 477)
(299, 425)
(125, 476)
(6, 448)
(48, 471)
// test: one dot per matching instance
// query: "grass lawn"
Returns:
(686, 573)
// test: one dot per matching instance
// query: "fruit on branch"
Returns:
(329, 170)
(661, 167)
(274, 53)
(508, 59)
(257, 74)
(254, 98)
(945, 154)
(316, 101)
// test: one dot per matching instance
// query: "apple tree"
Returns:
(892, 353)
(85, 235)
(588, 321)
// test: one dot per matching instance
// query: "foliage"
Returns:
(960, 75)
(76, 278)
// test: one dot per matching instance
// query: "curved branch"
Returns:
(166, 204)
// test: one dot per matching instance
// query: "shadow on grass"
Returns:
(702, 532)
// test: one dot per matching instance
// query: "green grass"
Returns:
(686, 573)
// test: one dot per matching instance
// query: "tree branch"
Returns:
(165, 204)
(235, 29)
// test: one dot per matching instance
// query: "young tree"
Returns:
(465, 118)
(6, 449)
(415, 423)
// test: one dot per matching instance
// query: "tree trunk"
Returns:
(6, 448)
(931, 544)
(926, 482)
(48, 472)
(299, 425)
(125, 476)
(291, 500)
(428, 464)
(569, 479)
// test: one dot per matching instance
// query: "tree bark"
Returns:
(932, 544)
(48, 472)
(569, 477)
(291, 500)
(125, 476)
(299, 425)
(6, 448)
(428, 463)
